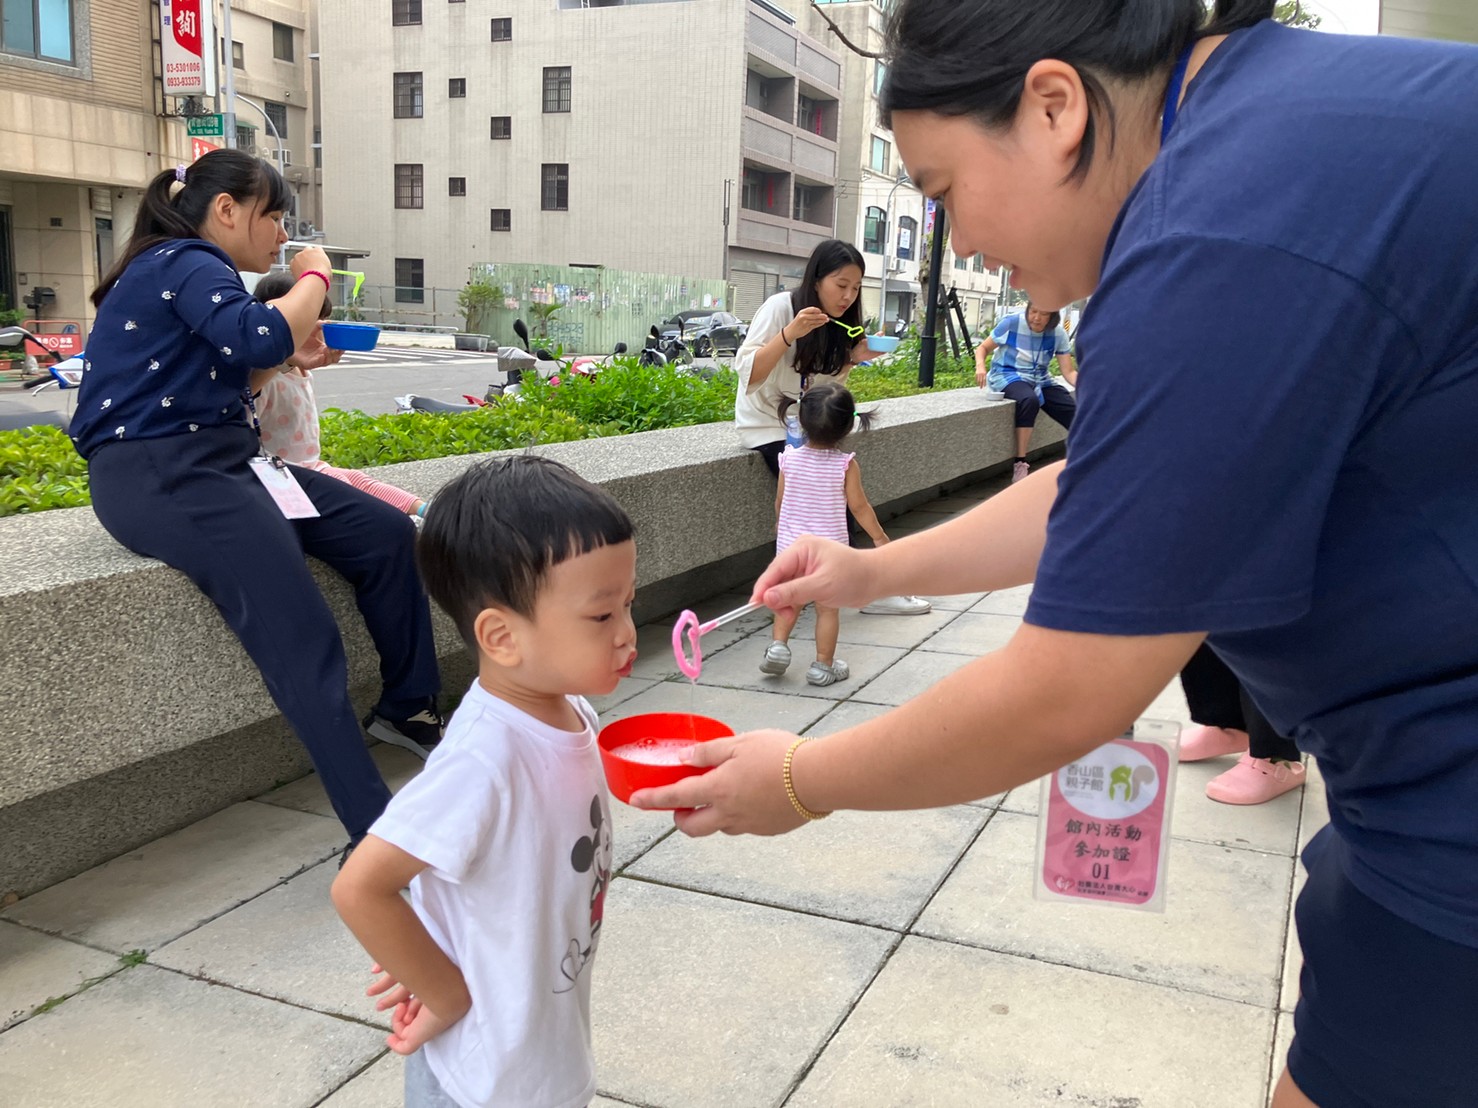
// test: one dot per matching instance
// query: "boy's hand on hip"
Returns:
(390, 991)
(413, 1025)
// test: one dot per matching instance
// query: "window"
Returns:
(410, 280)
(750, 196)
(959, 262)
(977, 264)
(556, 192)
(238, 56)
(502, 219)
(879, 159)
(875, 230)
(557, 88)
(456, 186)
(408, 186)
(277, 113)
(408, 103)
(317, 147)
(38, 29)
(812, 204)
(502, 30)
(246, 136)
(908, 231)
(404, 13)
(282, 42)
(809, 114)
(502, 126)
(456, 87)
(879, 75)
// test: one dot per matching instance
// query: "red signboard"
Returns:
(199, 147)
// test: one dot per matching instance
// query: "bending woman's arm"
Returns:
(765, 344)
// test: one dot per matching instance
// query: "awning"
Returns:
(899, 286)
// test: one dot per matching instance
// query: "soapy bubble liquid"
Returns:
(653, 752)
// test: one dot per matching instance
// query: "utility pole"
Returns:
(928, 340)
(228, 115)
(887, 236)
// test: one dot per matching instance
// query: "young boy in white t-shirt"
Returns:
(505, 837)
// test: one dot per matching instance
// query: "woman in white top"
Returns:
(790, 342)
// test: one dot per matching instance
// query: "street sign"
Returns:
(206, 126)
(187, 47)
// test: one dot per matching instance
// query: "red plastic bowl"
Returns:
(626, 776)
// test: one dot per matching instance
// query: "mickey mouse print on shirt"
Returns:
(591, 854)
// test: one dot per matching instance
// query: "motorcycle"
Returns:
(60, 373)
(664, 349)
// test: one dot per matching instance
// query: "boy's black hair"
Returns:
(278, 283)
(827, 412)
(492, 535)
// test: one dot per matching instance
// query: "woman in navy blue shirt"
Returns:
(1272, 453)
(165, 422)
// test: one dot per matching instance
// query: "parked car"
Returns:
(707, 333)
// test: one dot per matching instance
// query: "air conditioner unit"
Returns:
(306, 230)
(291, 226)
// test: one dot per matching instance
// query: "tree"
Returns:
(1295, 14)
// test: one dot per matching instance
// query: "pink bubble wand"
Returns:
(688, 622)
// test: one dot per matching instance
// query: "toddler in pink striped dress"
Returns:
(818, 484)
(287, 416)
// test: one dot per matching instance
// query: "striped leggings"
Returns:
(395, 497)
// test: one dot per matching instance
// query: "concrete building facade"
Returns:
(690, 137)
(85, 124)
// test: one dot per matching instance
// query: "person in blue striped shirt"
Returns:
(1021, 348)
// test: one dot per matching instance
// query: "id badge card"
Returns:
(1104, 833)
(284, 489)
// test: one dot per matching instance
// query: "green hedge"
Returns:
(40, 470)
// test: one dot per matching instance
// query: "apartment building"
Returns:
(85, 122)
(689, 137)
(877, 207)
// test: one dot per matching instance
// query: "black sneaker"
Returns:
(419, 734)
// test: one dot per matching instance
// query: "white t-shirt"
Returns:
(513, 818)
(755, 412)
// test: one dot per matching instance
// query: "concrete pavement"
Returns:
(872, 959)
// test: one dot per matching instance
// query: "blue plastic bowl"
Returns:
(882, 344)
(351, 336)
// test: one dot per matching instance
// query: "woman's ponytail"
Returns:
(177, 202)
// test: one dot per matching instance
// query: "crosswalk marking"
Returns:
(409, 355)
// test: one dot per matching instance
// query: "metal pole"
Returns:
(927, 341)
(887, 236)
(228, 116)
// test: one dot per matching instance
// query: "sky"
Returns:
(1356, 17)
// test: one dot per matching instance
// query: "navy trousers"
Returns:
(1056, 401)
(192, 502)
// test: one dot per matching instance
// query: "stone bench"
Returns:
(128, 709)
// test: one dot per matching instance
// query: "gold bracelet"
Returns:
(795, 801)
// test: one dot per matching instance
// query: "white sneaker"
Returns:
(1019, 470)
(777, 658)
(821, 674)
(898, 606)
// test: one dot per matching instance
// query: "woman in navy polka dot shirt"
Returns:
(165, 422)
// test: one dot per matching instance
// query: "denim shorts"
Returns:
(1389, 1012)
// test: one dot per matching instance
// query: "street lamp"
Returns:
(887, 236)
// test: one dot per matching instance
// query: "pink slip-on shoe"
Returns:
(1255, 781)
(1200, 743)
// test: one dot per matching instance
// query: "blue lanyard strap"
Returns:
(1172, 94)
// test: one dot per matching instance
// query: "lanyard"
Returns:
(1172, 94)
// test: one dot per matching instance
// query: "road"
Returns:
(368, 381)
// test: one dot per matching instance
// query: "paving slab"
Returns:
(37, 968)
(974, 633)
(956, 1027)
(634, 830)
(397, 766)
(288, 943)
(380, 1086)
(158, 892)
(909, 676)
(654, 657)
(957, 602)
(628, 687)
(155, 1039)
(702, 1001)
(739, 668)
(903, 632)
(878, 868)
(1282, 1040)
(1293, 955)
(741, 709)
(1005, 602)
(849, 713)
(1221, 933)
(1271, 827)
